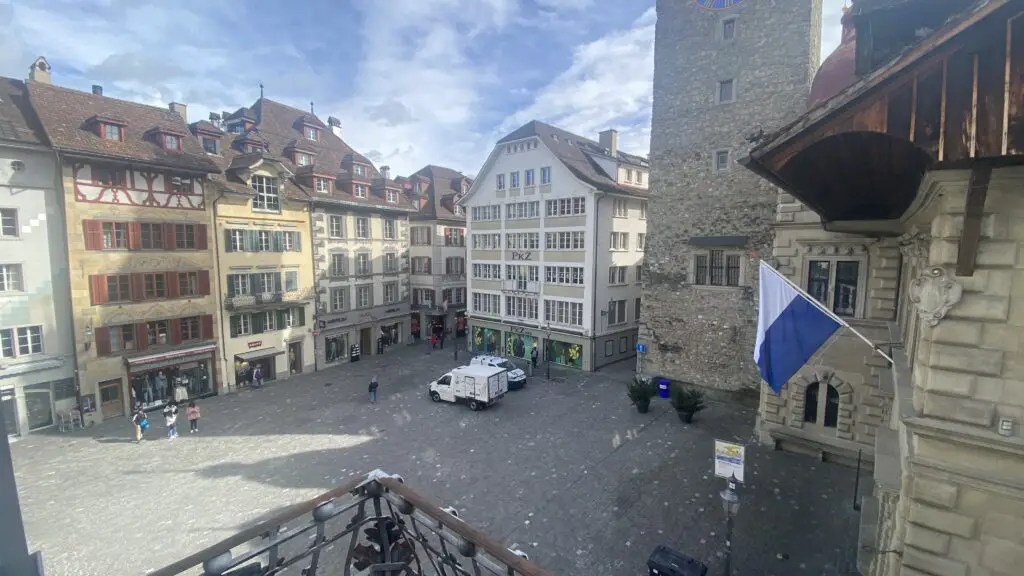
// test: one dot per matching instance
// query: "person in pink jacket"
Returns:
(193, 417)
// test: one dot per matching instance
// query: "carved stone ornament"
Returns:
(835, 248)
(915, 246)
(934, 293)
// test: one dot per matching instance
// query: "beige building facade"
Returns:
(932, 226)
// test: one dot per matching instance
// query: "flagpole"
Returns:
(830, 313)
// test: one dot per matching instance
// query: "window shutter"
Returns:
(204, 282)
(98, 289)
(169, 239)
(92, 230)
(231, 285)
(141, 336)
(282, 317)
(277, 282)
(302, 316)
(175, 331)
(277, 241)
(206, 327)
(134, 235)
(171, 279)
(227, 241)
(102, 337)
(251, 279)
(201, 240)
(137, 287)
(234, 326)
(257, 321)
(252, 240)
(298, 241)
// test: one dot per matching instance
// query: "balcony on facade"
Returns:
(260, 299)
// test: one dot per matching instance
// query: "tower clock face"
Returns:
(718, 4)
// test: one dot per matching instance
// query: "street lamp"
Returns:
(731, 507)
(547, 350)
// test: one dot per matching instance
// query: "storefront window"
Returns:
(154, 388)
(460, 324)
(335, 348)
(8, 405)
(518, 345)
(39, 405)
(567, 354)
(486, 340)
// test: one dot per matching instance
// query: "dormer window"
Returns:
(237, 129)
(303, 159)
(361, 190)
(322, 185)
(359, 169)
(210, 145)
(312, 133)
(111, 132)
(458, 210)
(392, 197)
(629, 174)
(171, 142)
(107, 176)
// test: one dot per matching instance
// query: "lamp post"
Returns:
(547, 350)
(731, 507)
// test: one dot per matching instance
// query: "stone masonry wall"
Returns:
(706, 334)
(966, 497)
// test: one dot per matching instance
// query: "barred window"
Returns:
(717, 268)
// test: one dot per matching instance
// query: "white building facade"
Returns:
(555, 232)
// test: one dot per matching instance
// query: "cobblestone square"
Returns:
(565, 469)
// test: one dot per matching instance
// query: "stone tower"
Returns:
(725, 71)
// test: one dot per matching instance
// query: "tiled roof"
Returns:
(206, 126)
(444, 188)
(64, 114)
(578, 155)
(18, 122)
(280, 127)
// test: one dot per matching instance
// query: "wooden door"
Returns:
(111, 402)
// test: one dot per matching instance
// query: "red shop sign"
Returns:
(255, 344)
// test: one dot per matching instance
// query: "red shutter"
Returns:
(138, 287)
(98, 289)
(169, 239)
(141, 336)
(134, 235)
(201, 242)
(206, 327)
(171, 278)
(204, 282)
(175, 331)
(102, 336)
(93, 232)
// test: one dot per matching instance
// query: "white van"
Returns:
(516, 377)
(478, 386)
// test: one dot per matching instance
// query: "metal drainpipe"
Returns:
(59, 188)
(220, 294)
(593, 304)
(316, 291)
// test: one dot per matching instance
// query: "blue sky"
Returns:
(413, 81)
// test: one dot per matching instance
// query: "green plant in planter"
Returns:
(640, 392)
(687, 401)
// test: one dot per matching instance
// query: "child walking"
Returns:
(171, 418)
(373, 390)
(193, 417)
(141, 424)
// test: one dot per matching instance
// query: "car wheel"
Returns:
(435, 396)
(474, 405)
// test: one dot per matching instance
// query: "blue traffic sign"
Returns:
(641, 348)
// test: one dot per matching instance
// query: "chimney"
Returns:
(609, 140)
(385, 172)
(97, 89)
(179, 109)
(333, 122)
(39, 71)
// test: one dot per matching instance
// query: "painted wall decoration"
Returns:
(137, 188)
(518, 345)
(567, 354)
(486, 340)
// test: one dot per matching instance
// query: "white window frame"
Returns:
(322, 185)
(361, 223)
(522, 307)
(18, 336)
(303, 159)
(9, 223)
(529, 177)
(563, 312)
(575, 206)
(499, 182)
(312, 133)
(339, 299)
(12, 278)
(390, 292)
(390, 226)
(513, 180)
(486, 213)
(522, 240)
(862, 277)
(718, 90)
(614, 306)
(336, 226)
(337, 271)
(619, 241)
(620, 208)
(244, 324)
(565, 275)
(561, 241)
(391, 196)
(267, 198)
(486, 271)
(486, 303)
(487, 241)
(367, 291)
(617, 275)
(364, 264)
(522, 210)
(545, 175)
(641, 241)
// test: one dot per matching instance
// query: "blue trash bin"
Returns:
(663, 388)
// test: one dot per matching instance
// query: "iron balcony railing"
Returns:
(240, 301)
(373, 524)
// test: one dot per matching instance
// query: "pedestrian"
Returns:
(193, 417)
(171, 418)
(442, 339)
(141, 424)
(257, 377)
(373, 390)
(433, 340)
(534, 355)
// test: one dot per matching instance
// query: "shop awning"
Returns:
(171, 356)
(257, 354)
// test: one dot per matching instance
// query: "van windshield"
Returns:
(507, 365)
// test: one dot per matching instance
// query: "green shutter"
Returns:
(231, 287)
(298, 241)
(302, 316)
(234, 326)
(277, 241)
(257, 323)
(277, 282)
(227, 241)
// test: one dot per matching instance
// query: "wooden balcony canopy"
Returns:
(950, 101)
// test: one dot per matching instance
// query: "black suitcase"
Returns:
(665, 561)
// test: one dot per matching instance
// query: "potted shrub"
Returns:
(687, 401)
(640, 392)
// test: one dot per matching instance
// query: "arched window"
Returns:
(823, 409)
(831, 407)
(811, 403)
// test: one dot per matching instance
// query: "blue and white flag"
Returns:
(790, 328)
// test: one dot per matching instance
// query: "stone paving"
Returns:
(564, 469)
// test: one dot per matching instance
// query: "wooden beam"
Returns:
(913, 108)
(974, 210)
(973, 148)
(942, 111)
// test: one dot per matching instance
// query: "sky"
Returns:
(414, 82)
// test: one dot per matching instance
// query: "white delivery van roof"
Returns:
(477, 371)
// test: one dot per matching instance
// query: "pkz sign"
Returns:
(521, 255)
